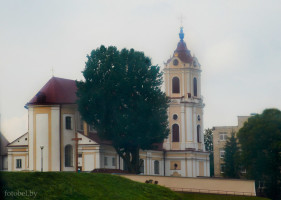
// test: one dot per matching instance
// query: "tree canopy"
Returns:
(232, 158)
(208, 141)
(121, 96)
(260, 140)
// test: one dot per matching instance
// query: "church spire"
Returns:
(182, 51)
(181, 34)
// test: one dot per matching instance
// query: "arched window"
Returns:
(176, 85)
(156, 167)
(141, 166)
(195, 86)
(175, 133)
(198, 134)
(68, 153)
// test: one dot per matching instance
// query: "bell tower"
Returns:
(182, 75)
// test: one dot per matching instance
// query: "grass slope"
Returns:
(63, 185)
(51, 185)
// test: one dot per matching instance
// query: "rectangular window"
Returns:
(105, 161)
(113, 162)
(223, 136)
(68, 123)
(222, 168)
(222, 152)
(18, 161)
(156, 167)
(80, 155)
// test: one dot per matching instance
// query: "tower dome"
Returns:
(182, 51)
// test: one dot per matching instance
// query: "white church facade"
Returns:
(54, 121)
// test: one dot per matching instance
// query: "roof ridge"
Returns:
(17, 138)
(62, 78)
(56, 91)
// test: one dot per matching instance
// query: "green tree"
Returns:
(208, 141)
(260, 140)
(232, 158)
(121, 96)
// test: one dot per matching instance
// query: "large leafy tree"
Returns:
(232, 158)
(260, 140)
(208, 141)
(121, 96)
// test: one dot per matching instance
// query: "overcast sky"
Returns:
(238, 44)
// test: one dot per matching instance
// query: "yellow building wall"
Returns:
(218, 144)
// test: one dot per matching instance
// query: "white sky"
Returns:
(238, 44)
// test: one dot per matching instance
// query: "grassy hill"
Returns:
(63, 185)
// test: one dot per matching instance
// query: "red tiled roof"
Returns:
(183, 53)
(97, 139)
(56, 91)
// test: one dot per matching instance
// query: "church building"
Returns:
(57, 138)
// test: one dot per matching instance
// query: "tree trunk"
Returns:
(131, 158)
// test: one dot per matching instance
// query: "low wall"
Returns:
(201, 185)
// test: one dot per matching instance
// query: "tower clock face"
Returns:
(175, 62)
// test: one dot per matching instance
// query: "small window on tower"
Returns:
(175, 133)
(194, 86)
(175, 116)
(198, 134)
(176, 85)
(68, 123)
(175, 62)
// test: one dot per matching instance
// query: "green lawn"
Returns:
(63, 185)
